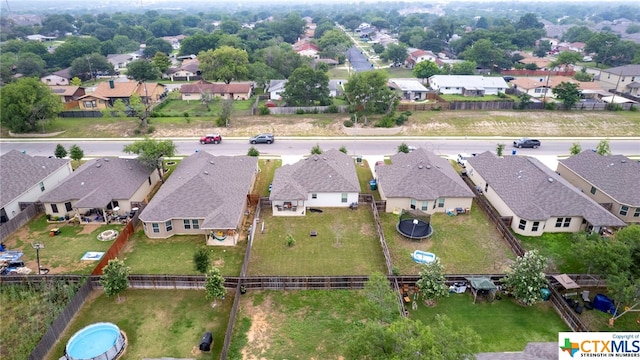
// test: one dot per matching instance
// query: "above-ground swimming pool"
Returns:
(97, 341)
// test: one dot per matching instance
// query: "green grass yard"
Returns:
(157, 323)
(347, 244)
(559, 248)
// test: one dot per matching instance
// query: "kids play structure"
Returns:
(414, 224)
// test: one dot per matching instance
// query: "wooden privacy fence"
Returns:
(19, 220)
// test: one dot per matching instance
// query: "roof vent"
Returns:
(82, 183)
(106, 159)
(550, 180)
(206, 172)
(428, 166)
(211, 162)
(623, 161)
(315, 158)
(98, 165)
(420, 166)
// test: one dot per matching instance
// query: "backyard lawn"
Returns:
(61, 253)
(175, 255)
(559, 248)
(157, 323)
(346, 244)
(465, 244)
(503, 325)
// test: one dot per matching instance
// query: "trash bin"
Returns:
(546, 293)
(513, 152)
(358, 159)
(373, 185)
(205, 343)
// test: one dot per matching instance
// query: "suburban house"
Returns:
(538, 86)
(119, 61)
(468, 85)
(54, 79)
(233, 91)
(276, 88)
(308, 49)
(206, 195)
(422, 180)
(24, 178)
(324, 180)
(533, 198)
(107, 93)
(102, 189)
(417, 56)
(411, 89)
(68, 94)
(611, 181)
(174, 40)
(187, 71)
(623, 79)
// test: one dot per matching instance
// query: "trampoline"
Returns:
(414, 229)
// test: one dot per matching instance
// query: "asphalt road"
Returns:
(364, 146)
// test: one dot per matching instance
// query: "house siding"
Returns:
(396, 205)
(600, 197)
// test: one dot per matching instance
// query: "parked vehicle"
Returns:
(211, 139)
(262, 139)
(526, 143)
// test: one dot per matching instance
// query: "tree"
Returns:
(525, 100)
(214, 285)
(380, 301)
(464, 68)
(396, 53)
(526, 277)
(575, 149)
(529, 21)
(603, 148)
(151, 152)
(432, 283)
(583, 75)
(225, 63)
(426, 69)
(368, 93)
(484, 53)
(253, 152)
(75, 153)
(75, 81)
(307, 87)
(143, 70)
(412, 339)
(26, 102)
(566, 58)
(542, 49)
(500, 149)
(115, 278)
(568, 93)
(201, 260)
(343, 149)
(225, 113)
(403, 148)
(60, 151)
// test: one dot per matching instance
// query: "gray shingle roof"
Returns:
(204, 186)
(19, 172)
(615, 175)
(99, 181)
(331, 171)
(421, 175)
(534, 192)
(624, 70)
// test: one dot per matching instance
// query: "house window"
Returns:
(637, 212)
(593, 190)
(194, 224)
(624, 209)
(168, 225)
(41, 186)
(89, 104)
(535, 226)
(314, 196)
(441, 202)
(522, 225)
(559, 222)
(413, 203)
(67, 205)
(344, 197)
(54, 208)
(187, 224)
(149, 179)
(156, 227)
(425, 205)
(486, 187)
(567, 222)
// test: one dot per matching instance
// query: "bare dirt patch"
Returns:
(259, 334)
(88, 228)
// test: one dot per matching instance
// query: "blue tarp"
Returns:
(604, 304)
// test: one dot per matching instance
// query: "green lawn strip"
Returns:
(363, 170)
(465, 244)
(265, 177)
(313, 324)
(559, 249)
(347, 244)
(157, 323)
(503, 325)
(453, 97)
(175, 255)
(61, 253)
(176, 107)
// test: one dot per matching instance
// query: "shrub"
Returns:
(201, 260)
(502, 95)
(264, 110)
(633, 108)
(386, 122)
(290, 240)
(436, 108)
(332, 109)
(151, 129)
(549, 106)
(186, 114)
(401, 119)
(300, 112)
(253, 152)
(137, 131)
(348, 123)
